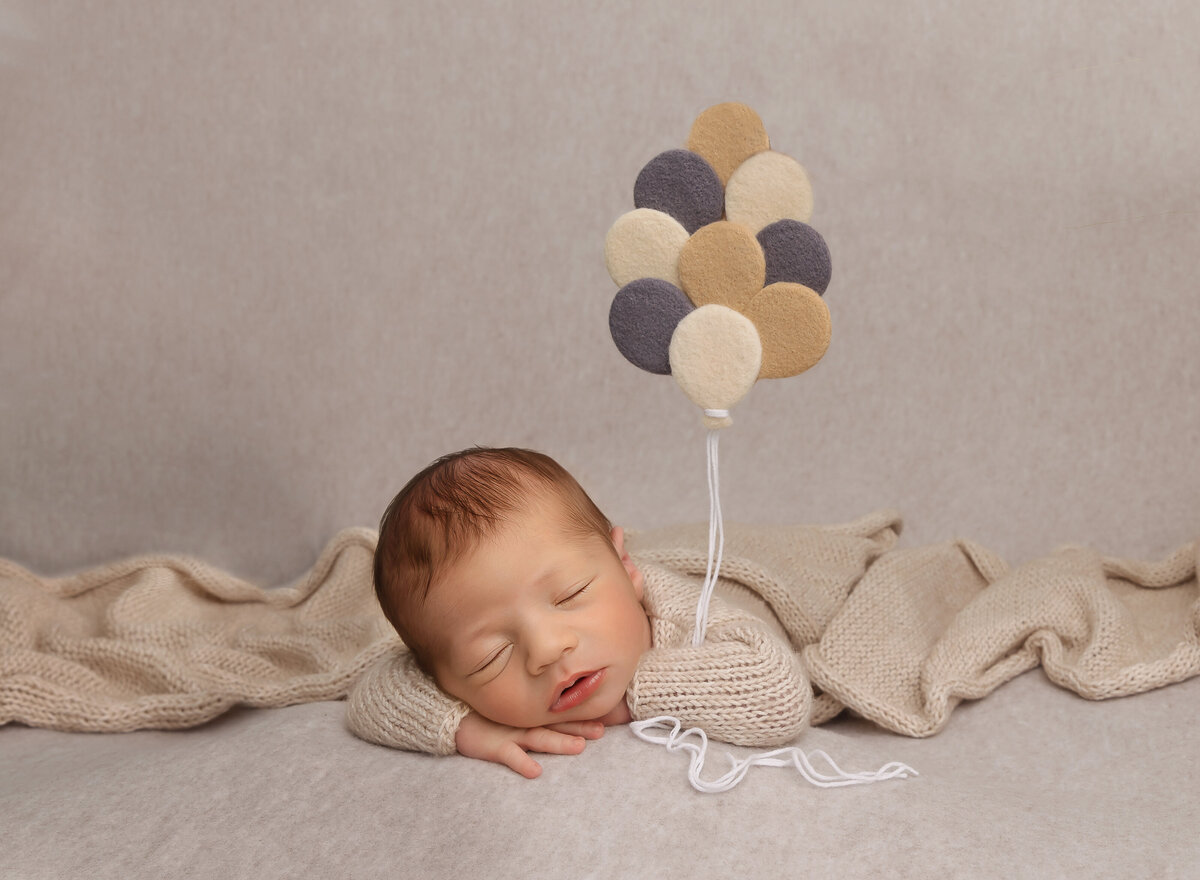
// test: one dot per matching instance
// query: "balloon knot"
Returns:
(716, 419)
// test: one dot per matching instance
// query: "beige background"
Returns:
(259, 262)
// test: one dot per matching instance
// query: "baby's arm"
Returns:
(394, 703)
(743, 685)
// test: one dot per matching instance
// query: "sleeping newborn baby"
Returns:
(527, 627)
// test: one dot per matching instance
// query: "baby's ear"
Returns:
(635, 575)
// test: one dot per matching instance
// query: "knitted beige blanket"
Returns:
(900, 636)
(171, 642)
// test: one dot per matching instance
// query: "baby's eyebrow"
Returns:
(550, 573)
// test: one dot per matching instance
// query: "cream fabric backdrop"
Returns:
(260, 262)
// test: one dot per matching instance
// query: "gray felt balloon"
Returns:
(796, 252)
(642, 318)
(682, 184)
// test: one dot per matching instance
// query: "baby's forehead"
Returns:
(522, 550)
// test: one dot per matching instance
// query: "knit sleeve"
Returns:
(394, 703)
(743, 685)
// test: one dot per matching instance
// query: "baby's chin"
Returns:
(593, 713)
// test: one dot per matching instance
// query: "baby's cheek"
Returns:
(519, 704)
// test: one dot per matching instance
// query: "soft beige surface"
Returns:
(1032, 782)
(261, 262)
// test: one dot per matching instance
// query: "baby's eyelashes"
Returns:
(574, 593)
(493, 661)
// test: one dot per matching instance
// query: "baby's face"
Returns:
(535, 627)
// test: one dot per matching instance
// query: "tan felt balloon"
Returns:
(644, 243)
(794, 326)
(768, 187)
(726, 135)
(722, 263)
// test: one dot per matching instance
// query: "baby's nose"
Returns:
(548, 644)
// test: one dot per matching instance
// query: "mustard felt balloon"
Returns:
(644, 243)
(726, 135)
(794, 326)
(768, 187)
(722, 263)
(715, 356)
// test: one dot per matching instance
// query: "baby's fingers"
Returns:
(513, 756)
(586, 729)
(552, 742)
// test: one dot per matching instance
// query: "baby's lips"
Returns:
(576, 689)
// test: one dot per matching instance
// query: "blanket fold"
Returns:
(900, 636)
(927, 628)
(171, 642)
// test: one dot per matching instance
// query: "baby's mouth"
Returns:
(577, 689)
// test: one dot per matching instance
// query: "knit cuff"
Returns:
(396, 704)
(743, 686)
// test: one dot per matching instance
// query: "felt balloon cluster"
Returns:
(720, 275)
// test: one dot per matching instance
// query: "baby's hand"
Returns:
(477, 737)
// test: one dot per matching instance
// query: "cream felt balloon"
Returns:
(793, 324)
(644, 243)
(715, 356)
(768, 187)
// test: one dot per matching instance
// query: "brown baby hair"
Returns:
(447, 508)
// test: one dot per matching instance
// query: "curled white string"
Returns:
(716, 535)
(666, 730)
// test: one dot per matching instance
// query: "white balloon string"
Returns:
(716, 538)
(666, 730)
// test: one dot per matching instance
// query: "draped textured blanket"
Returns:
(900, 636)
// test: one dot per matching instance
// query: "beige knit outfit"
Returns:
(743, 685)
(900, 636)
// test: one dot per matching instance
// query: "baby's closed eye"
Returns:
(574, 593)
(494, 661)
